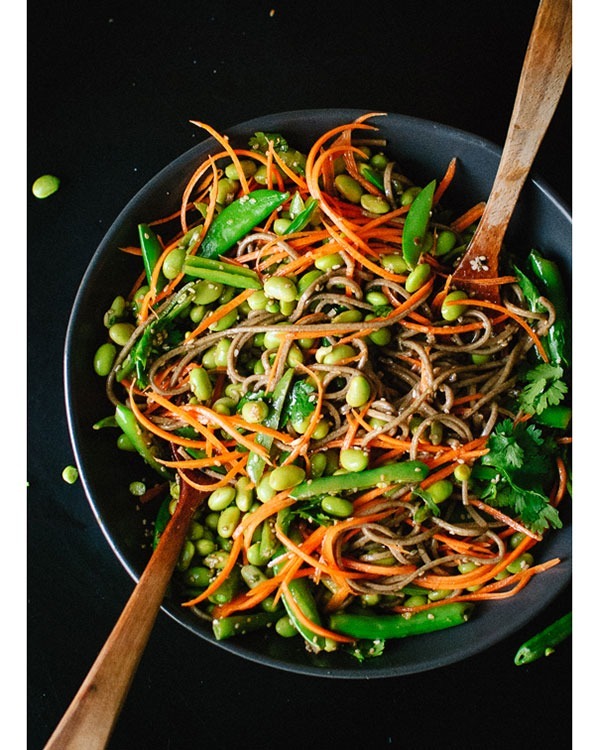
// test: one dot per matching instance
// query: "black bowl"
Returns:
(424, 149)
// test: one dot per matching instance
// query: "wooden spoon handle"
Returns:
(89, 721)
(545, 71)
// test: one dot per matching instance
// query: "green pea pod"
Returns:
(300, 592)
(126, 420)
(373, 627)
(256, 464)
(352, 481)
(221, 273)
(548, 284)
(235, 625)
(238, 218)
(548, 275)
(416, 225)
(151, 252)
(545, 642)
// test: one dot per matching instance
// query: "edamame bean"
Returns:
(70, 474)
(280, 288)
(248, 166)
(295, 356)
(381, 337)
(115, 312)
(348, 316)
(348, 188)
(264, 490)
(522, 562)
(417, 277)
(173, 263)
(336, 506)
(225, 321)
(186, 555)
(374, 204)
(394, 263)
(228, 521)
(318, 462)
(124, 443)
(307, 279)
(440, 490)
(222, 352)
(377, 299)
(286, 477)
(354, 459)
(285, 627)
(453, 311)
(197, 576)
(244, 494)
(104, 359)
(226, 190)
(257, 300)
(445, 242)
(329, 262)
(221, 498)
(45, 186)
(205, 546)
(462, 472)
(224, 405)
(120, 333)
(137, 488)
(338, 354)
(207, 292)
(255, 411)
(201, 384)
(416, 600)
(322, 429)
(208, 358)
(281, 225)
(359, 391)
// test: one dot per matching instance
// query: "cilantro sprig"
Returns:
(545, 387)
(516, 473)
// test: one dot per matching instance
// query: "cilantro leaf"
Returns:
(545, 388)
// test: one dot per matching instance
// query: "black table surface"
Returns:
(112, 87)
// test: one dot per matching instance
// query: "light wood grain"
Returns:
(90, 719)
(546, 68)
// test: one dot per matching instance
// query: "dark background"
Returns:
(111, 88)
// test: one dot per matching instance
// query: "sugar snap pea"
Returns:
(256, 464)
(227, 627)
(352, 481)
(238, 218)
(372, 627)
(221, 273)
(151, 252)
(126, 420)
(544, 643)
(416, 224)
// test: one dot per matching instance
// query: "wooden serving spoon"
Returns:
(90, 719)
(545, 71)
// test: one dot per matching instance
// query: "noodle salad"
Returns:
(377, 450)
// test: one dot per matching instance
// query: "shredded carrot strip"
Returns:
(468, 218)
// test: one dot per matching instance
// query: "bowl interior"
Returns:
(424, 150)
